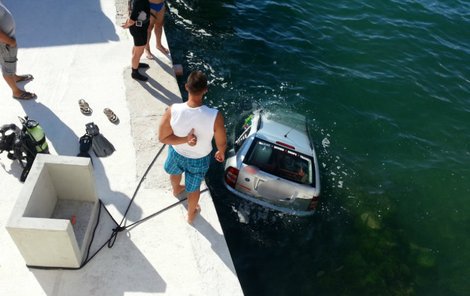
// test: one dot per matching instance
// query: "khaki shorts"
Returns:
(8, 59)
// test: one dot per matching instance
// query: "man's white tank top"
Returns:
(202, 119)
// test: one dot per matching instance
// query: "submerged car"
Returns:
(274, 164)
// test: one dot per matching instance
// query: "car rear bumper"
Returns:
(269, 205)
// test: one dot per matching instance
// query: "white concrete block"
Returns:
(59, 190)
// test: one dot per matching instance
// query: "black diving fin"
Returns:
(85, 145)
(101, 146)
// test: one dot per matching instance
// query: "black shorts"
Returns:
(139, 34)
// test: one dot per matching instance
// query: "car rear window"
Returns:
(281, 162)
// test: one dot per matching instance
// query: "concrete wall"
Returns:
(45, 196)
(47, 241)
(75, 184)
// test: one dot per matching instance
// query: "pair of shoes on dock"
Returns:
(86, 110)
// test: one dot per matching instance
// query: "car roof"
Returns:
(293, 134)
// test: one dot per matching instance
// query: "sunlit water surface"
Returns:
(386, 84)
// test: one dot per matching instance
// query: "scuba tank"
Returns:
(36, 134)
(33, 142)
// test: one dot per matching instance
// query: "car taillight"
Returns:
(285, 145)
(231, 175)
(313, 203)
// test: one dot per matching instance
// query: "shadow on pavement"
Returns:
(82, 22)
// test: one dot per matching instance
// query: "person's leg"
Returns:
(193, 207)
(137, 52)
(158, 28)
(140, 39)
(8, 64)
(172, 167)
(16, 91)
(194, 174)
(176, 184)
(148, 52)
(11, 81)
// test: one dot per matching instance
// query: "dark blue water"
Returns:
(387, 84)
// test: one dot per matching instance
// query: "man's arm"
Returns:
(166, 136)
(220, 137)
(4, 38)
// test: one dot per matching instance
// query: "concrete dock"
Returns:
(78, 50)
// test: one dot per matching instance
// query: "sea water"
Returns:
(387, 86)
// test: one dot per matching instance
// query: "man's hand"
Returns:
(12, 43)
(192, 139)
(219, 156)
(4, 38)
(128, 23)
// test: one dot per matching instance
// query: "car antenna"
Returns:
(285, 136)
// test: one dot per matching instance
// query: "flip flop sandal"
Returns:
(25, 78)
(111, 116)
(84, 107)
(25, 96)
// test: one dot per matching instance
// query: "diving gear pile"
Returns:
(23, 144)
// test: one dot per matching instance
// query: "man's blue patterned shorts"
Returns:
(194, 169)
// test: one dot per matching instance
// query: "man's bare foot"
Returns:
(163, 49)
(148, 54)
(192, 216)
(177, 191)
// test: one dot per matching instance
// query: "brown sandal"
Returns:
(111, 116)
(84, 107)
(25, 78)
(25, 96)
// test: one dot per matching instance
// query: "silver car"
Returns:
(274, 164)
